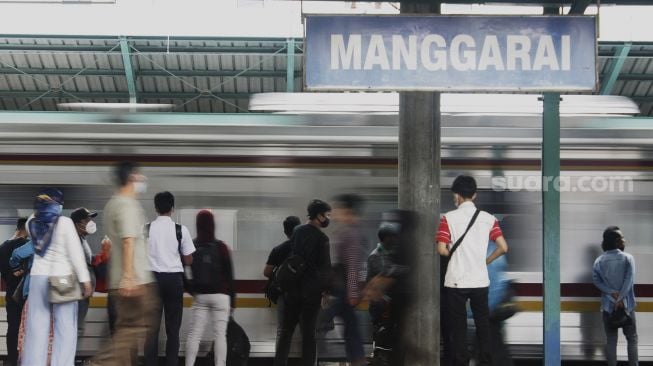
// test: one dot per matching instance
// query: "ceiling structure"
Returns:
(211, 75)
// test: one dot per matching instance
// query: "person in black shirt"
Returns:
(277, 256)
(309, 242)
(14, 309)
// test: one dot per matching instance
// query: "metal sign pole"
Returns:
(551, 227)
(419, 191)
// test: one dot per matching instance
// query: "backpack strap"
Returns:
(460, 240)
(146, 230)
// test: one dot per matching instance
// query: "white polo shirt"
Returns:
(467, 268)
(164, 248)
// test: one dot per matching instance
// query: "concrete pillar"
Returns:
(419, 191)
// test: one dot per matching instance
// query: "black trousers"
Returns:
(456, 301)
(171, 294)
(13, 325)
(500, 355)
(304, 313)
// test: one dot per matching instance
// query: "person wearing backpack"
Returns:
(466, 278)
(212, 285)
(305, 291)
(277, 256)
(170, 249)
(614, 274)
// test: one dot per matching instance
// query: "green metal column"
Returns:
(551, 227)
(290, 65)
(615, 68)
(129, 69)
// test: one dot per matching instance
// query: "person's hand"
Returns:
(619, 305)
(88, 289)
(325, 300)
(129, 288)
(106, 246)
(19, 273)
(615, 295)
(353, 302)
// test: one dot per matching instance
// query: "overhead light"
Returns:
(117, 107)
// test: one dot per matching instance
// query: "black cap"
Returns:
(81, 214)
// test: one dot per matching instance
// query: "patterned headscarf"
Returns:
(47, 210)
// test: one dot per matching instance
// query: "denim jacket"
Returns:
(614, 271)
(24, 252)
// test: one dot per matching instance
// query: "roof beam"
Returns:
(129, 69)
(579, 7)
(54, 94)
(615, 69)
(253, 50)
(139, 73)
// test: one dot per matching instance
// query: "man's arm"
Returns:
(629, 279)
(443, 237)
(501, 249)
(597, 278)
(268, 270)
(442, 248)
(128, 285)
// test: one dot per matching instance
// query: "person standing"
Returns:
(277, 256)
(57, 254)
(170, 249)
(467, 275)
(85, 226)
(349, 245)
(131, 283)
(613, 274)
(214, 293)
(12, 282)
(309, 243)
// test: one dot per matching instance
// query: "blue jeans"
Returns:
(37, 330)
(353, 341)
(612, 334)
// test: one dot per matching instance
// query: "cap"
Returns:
(50, 195)
(81, 214)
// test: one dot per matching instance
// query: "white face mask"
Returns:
(91, 228)
(140, 187)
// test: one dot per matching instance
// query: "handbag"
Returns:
(619, 318)
(64, 289)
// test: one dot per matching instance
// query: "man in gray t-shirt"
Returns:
(131, 285)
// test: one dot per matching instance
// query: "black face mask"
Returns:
(325, 223)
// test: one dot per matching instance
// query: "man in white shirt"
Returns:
(170, 249)
(467, 275)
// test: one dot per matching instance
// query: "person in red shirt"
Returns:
(466, 275)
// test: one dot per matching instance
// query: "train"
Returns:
(254, 169)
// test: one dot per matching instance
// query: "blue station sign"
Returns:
(451, 53)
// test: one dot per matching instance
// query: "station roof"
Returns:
(217, 75)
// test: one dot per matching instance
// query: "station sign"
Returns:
(451, 53)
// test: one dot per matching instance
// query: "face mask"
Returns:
(325, 223)
(91, 228)
(140, 187)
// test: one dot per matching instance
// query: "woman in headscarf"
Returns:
(213, 290)
(57, 254)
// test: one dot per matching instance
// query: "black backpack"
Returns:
(272, 290)
(237, 344)
(289, 274)
(206, 267)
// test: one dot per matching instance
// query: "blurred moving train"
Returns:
(255, 169)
